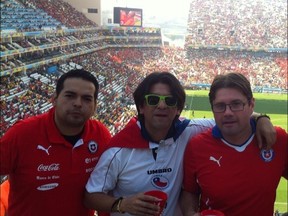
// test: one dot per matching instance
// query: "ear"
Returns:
(95, 109)
(141, 110)
(252, 103)
(54, 99)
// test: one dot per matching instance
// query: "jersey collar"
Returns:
(174, 132)
(216, 133)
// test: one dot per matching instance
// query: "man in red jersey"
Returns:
(224, 166)
(49, 157)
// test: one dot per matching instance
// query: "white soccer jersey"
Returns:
(127, 171)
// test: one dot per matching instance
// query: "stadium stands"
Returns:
(54, 38)
(246, 24)
(16, 17)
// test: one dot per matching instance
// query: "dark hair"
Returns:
(159, 77)
(231, 80)
(77, 73)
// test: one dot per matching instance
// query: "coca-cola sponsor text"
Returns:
(50, 167)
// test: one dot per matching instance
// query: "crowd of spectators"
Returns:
(28, 50)
(245, 23)
(201, 65)
(19, 17)
(22, 97)
(63, 12)
(120, 69)
(36, 15)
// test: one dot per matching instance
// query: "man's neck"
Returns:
(155, 135)
(239, 138)
(158, 136)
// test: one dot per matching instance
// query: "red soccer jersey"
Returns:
(47, 174)
(237, 182)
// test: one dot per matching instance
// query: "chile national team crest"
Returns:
(92, 146)
(160, 182)
(267, 155)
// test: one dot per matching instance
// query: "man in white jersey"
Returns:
(147, 154)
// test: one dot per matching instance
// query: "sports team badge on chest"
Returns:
(92, 146)
(267, 155)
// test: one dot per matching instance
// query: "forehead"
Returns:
(161, 89)
(78, 85)
(229, 94)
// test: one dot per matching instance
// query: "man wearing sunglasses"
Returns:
(224, 165)
(147, 154)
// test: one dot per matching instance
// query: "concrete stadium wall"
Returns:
(83, 5)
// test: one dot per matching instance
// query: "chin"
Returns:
(77, 123)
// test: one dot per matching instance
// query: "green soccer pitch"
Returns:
(274, 105)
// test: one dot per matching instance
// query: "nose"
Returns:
(228, 110)
(77, 101)
(162, 104)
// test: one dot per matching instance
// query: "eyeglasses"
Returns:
(153, 100)
(234, 107)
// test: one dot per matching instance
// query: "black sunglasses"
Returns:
(153, 100)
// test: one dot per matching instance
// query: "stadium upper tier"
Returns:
(30, 15)
(241, 25)
(17, 17)
(26, 50)
(245, 24)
